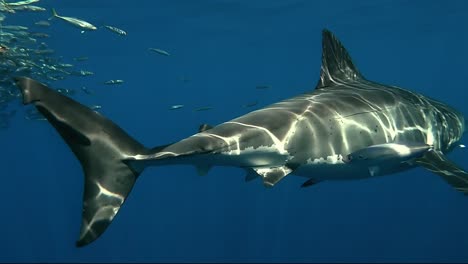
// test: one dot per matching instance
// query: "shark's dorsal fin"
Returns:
(337, 65)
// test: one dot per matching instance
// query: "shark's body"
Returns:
(310, 135)
(347, 128)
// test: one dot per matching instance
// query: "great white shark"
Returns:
(346, 128)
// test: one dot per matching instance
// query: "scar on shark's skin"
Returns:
(347, 128)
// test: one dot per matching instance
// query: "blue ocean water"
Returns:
(220, 51)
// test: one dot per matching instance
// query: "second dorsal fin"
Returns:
(204, 127)
(337, 65)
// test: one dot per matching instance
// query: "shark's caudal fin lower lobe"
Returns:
(100, 146)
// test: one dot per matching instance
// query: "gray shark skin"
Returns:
(347, 128)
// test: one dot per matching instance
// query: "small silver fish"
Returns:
(65, 65)
(44, 51)
(204, 108)
(160, 51)
(23, 69)
(66, 91)
(43, 45)
(20, 3)
(116, 30)
(74, 21)
(174, 107)
(29, 8)
(82, 73)
(110, 82)
(39, 35)
(14, 27)
(4, 7)
(84, 58)
(42, 23)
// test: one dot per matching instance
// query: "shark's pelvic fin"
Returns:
(272, 175)
(337, 65)
(309, 182)
(437, 162)
(100, 146)
(251, 175)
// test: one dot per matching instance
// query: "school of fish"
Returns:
(24, 51)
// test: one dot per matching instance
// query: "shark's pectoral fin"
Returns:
(436, 162)
(272, 175)
(397, 152)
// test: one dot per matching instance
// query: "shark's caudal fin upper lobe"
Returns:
(100, 146)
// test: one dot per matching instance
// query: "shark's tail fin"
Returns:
(100, 146)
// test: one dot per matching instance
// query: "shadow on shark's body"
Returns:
(347, 128)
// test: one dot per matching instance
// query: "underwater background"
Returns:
(232, 57)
